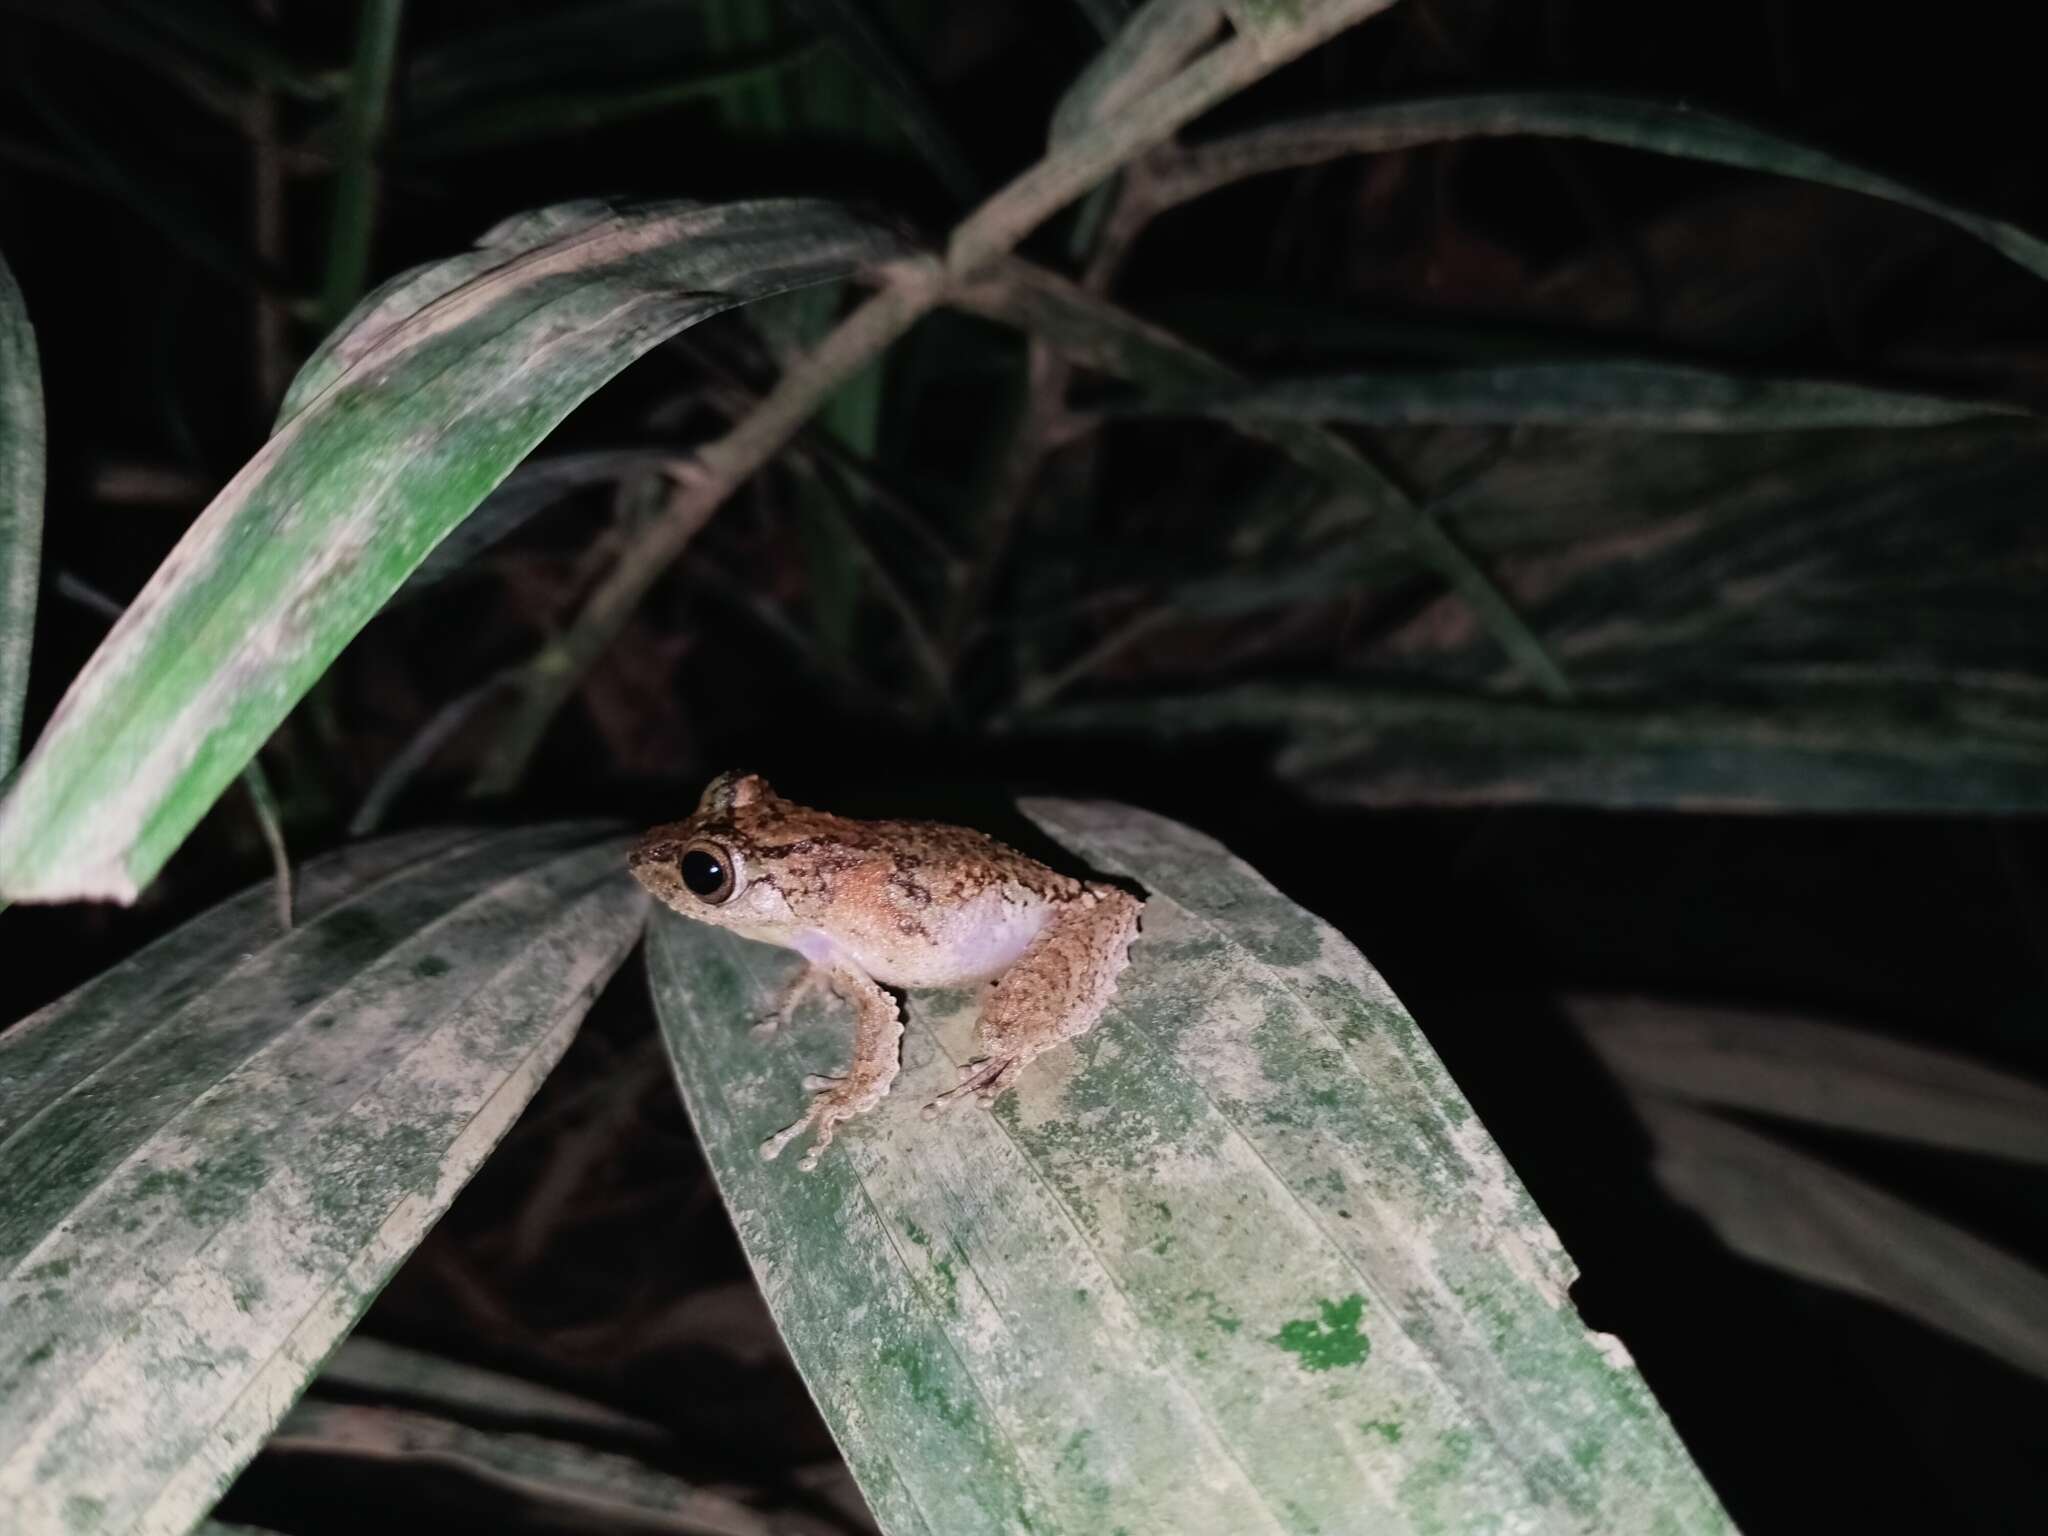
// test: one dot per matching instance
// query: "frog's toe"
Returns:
(817, 1082)
(772, 1147)
(984, 1079)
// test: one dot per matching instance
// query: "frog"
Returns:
(878, 905)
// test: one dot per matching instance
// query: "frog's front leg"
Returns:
(877, 1041)
(1054, 993)
(812, 979)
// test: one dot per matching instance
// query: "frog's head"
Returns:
(706, 867)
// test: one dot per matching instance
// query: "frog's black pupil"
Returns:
(703, 873)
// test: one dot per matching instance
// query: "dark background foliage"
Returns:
(592, 1253)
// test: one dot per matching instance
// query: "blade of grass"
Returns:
(395, 430)
(1786, 1208)
(1657, 127)
(530, 1481)
(1113, 341)
(1617, 394)
(352, 216)
(546, 114)
(862, 34)
(21, 508)
(1816, 1073)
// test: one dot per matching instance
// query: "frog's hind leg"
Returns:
(1054, 993)
(877, 1038)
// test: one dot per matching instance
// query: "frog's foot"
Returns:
(840, 1100)
(812, 979)
(987, 1079)
(877, 1035)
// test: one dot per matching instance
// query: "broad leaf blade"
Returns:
(394, 432)
(21, 508)
(217, 1153)
(1242, 1260)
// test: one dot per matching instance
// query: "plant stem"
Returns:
(913, 289)
(355, 180)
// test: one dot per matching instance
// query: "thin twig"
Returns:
(270, 822)
(419, 751)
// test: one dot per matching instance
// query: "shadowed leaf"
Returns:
(1629, 123)
(1816, 1073)
(1369, 746)
(1604, 395)
(1786, 1208)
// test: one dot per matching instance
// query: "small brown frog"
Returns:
(873, 904)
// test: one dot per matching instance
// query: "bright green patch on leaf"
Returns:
(1333, 1341)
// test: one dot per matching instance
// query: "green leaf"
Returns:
(862, 35)
(397, 427)
(1815, 1072)
(1239, 1260)
(217, 1152)
(1610, 395)
(1786, 1208)
(352, 218)
(1630, 123)
(21, 507)
(567, 71)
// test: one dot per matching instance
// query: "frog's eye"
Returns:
(708, 873)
